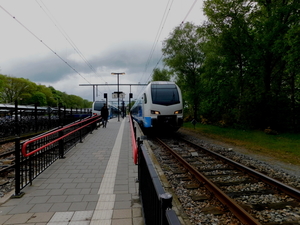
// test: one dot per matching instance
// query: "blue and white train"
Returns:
(97, 106)
(159, 106)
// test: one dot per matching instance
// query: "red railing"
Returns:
(25, 144)
(133, 141)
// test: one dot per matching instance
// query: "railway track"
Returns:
(216, 190)
(7, 164)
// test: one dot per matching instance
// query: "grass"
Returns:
(284, 147)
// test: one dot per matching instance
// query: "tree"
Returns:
(252, 58)
(293, 72)
(184, 56)
(27, 92)
(75, 102)
(39, 98)
(2, 78)
(15, 89)
(228, 52)
(160, 75)
(47, 92)
(87, 104)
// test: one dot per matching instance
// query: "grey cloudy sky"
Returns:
(94, 37)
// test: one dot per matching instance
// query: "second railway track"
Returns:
(217, 190)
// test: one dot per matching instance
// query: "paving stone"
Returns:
(19, 218)
(67, 193)
(122, 213)
(41, 217)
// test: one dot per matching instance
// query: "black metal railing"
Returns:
(157, 204)
(27, 119)
(35, 155)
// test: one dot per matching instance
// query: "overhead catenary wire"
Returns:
(159, 31)
(179, 27)
(47, 46)
(67, 37)
(160, 28)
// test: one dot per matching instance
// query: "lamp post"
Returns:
(118, 91)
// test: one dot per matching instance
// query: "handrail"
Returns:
(133, 141)
(23, 150)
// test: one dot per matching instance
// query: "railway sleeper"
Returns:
(248, 193)
(199, 198)
(3, 182)
(279, 205)
(183, 178)
(246, 181)
(282, 223)
(168, 162)
(224, 175)
(221, 169)
(178, 171)
(213, 210)
(165, 157)
(191, 160)
(192, 186)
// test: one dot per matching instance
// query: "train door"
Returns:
(146, 110)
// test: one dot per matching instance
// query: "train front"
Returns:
(166, 109)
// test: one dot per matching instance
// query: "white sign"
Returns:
(121, 95)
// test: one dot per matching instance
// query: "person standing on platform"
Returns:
(104, 115)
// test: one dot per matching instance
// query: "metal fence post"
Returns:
(17, 125)
(59, 115)
(139, 163)
(49, 117)
(17, 166)
(166, 203)
(35, 118)
(80, 132)
(134, 129)
(61, 145)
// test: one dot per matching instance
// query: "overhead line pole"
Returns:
(118, 94)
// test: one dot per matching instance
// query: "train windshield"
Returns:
(164, 94)
(97, 106)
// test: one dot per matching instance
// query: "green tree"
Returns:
(184, 56)
(161, 75)
(293, 72)
(75, 102)
(228, 51)
(87, 104)
(27, 92)
(248, 59)
(2, 78)
(15, 89)
(39, 98)
(47, 92)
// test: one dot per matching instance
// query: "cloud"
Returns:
(114, 36)
(49, 70)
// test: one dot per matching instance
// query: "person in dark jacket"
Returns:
(104, 115)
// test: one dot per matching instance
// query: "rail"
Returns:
(157, 204)
(34, 156)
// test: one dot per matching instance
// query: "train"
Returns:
(97, 106)
(159, 107)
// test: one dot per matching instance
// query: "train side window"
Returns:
(145, 98)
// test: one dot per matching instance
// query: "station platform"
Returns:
(94, 185)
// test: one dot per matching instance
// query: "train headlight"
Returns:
(155, 112)
(178, 112)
